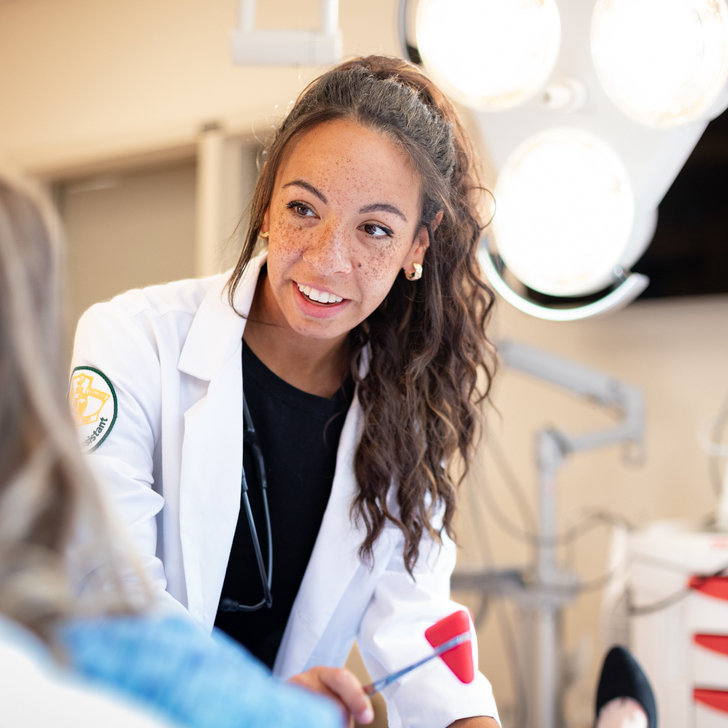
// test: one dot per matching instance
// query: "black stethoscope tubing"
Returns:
(251, 436)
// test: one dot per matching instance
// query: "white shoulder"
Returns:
(124, 347)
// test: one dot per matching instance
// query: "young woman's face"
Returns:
(343, 221)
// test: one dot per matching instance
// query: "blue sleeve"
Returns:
(172, 666)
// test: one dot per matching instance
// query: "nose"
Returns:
(328, 252)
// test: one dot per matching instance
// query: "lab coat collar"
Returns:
(212, 454)
(217, 329)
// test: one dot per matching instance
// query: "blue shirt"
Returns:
(171, 665)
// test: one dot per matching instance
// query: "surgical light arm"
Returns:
(256, 46)
(588, 384)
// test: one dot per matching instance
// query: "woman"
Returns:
(356, 340)
(46, 497)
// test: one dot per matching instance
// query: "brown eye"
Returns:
(376, 231)
(301, 209)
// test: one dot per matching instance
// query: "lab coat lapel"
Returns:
(212, 451)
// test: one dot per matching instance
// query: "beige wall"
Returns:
(85, 84)
(81, 78)
(129, 229)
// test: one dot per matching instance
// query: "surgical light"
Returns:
(655, 46)
(489, 54)
(565, 212)
(662, 62)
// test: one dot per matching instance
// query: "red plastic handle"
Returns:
(713, 642)
(459, 659)
(711, 586)
(716, 699)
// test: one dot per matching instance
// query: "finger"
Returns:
(311, 680)
(349, 690)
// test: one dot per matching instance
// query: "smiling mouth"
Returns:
(319, 296)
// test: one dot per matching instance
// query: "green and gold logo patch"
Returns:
(93, 404)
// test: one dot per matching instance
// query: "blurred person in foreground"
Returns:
(63, 655)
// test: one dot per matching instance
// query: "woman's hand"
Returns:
(342, 686)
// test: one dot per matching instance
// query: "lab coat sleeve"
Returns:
(123, 347)
(392, 635)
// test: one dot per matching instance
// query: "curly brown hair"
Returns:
(430, 363)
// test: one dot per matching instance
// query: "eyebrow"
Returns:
(375, 207)
(383, 207)
(309, 187)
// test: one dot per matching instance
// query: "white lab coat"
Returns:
(172, 464)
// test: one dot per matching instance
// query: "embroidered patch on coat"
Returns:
(93, 404)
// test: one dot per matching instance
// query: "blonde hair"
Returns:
(47, 495)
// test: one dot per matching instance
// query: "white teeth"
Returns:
(319, 296)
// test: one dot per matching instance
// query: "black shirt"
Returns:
(299, 435)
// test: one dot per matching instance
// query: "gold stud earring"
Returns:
(416, 274)
(264, 235)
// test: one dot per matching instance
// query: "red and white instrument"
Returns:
(451, 639)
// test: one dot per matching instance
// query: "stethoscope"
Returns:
(251, 436)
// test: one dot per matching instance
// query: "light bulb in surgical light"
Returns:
(489, 54)
(565, 212)
(662, 62)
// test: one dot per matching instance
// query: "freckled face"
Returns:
(343, 221)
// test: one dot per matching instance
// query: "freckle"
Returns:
(360, 265)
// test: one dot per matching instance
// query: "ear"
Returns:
(416, 253)
(265, 227)
(421, 243)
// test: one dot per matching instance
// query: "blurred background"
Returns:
(137, 121)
